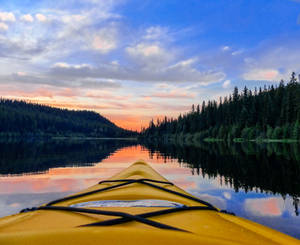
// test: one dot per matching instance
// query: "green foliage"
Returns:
(271, 112)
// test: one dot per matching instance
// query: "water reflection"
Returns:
(26, 157)
(258, 182)
(268, 168)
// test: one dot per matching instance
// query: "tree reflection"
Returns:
(270, 168)
(28, 157)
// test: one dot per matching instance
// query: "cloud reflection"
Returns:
(271, 206)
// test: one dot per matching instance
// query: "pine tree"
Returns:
(270, 112)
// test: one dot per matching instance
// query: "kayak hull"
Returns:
(194, 226)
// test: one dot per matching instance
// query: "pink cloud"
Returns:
(106, 96)
(67, 92)
(261, 74)
(40, 92)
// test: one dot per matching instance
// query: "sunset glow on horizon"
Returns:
(130, 61)
(135, 121)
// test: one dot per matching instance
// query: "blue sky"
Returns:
(132, 60)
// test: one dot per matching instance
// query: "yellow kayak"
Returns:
(136, 206)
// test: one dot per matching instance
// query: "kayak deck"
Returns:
(71, 220)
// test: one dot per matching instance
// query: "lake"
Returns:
(260, 182)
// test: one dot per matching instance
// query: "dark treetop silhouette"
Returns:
(19, 118)
(271, 112)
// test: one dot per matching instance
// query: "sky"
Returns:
(133, 60)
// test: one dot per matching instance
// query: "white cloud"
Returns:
(21, 47)
(31, 80)
(21, 73)
(27, 18)
(262, 74)
(73, 18)
(146, 50)
(105, 40)
(3, 27)
(61, 65)
(273, 60)
(150, 57)
(66, 65)
(67, 32)
(115, 62)
(7, 16)
(226, 84)
(184, 63)
(225, 48)
(134, 73)
(71, 34)
(41, 17)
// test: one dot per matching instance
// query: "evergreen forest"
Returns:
(269, 113)
(22, 119)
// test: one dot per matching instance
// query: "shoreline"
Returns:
(192, 138)
(49, 138)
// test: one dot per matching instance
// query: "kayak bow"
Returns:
(136, 206)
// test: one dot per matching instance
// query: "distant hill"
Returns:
(269, 113)
(19, 118)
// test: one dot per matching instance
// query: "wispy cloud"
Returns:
(262, 74)
(176, 73)
(35, 79)
(156, 33)
(88, 52)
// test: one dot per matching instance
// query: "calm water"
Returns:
(258, 182)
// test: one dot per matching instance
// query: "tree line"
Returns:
(271, 112)
(20, 118)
